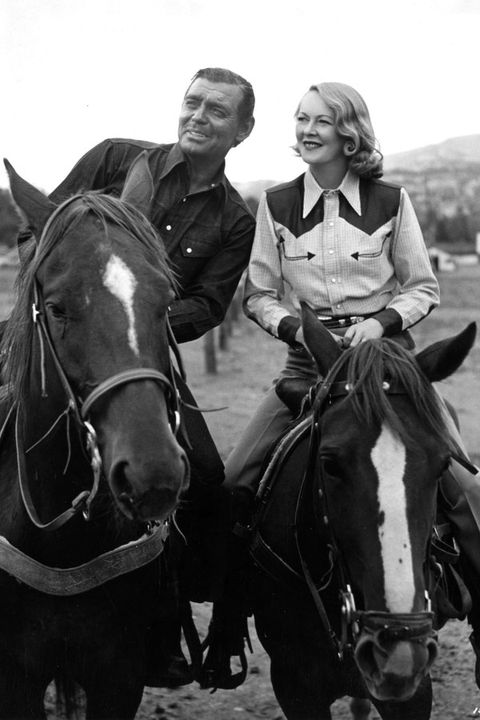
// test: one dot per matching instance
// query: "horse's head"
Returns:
(100, 286)
(382, 447)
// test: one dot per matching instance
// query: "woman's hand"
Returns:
(365, 330)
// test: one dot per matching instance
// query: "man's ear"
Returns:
(244, 131)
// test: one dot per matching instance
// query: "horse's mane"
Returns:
(370, 365)
(111, 212)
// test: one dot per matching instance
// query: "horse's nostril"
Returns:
(120, 483)
(126, 499)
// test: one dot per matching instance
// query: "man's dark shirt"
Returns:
(208, 235)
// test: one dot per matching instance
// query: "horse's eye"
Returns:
(330, 466)
(56, 311)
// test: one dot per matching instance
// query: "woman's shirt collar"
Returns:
(349, 187)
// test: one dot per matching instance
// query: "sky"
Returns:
(74, 72)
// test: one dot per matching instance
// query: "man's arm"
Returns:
(203, 305)
(89, 173)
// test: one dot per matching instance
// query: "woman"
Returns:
(339, 239)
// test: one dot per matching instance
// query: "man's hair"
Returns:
(221, 75)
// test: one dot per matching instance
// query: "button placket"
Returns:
(330, 207)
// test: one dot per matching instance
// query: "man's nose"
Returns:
(199, 114)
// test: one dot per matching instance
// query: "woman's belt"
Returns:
(335, 323)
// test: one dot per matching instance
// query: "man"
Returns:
(206, 227)
(208, 232)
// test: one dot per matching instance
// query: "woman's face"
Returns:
(317, 139)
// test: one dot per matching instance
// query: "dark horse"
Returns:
(344, 520)
(90, 467)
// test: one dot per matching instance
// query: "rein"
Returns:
(415, 627)
(80, 410)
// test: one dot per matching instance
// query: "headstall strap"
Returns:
(81, 411)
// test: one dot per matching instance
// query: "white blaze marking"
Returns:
(121, 282)
(388, 457)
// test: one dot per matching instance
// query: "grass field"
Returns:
(254, 358)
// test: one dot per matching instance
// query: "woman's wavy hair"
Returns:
(352, 121)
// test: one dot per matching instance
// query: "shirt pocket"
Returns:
(204, 243)
(378, 244)
(373, 255)
(295, 249)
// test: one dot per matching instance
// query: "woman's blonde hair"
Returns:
(352, 121)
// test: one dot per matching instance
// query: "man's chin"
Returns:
(191, 144)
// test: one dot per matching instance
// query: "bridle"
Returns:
(378, 625)
(78, 409)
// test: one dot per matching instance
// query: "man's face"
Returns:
(209, 124)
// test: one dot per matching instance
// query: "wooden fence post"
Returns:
(210, 356)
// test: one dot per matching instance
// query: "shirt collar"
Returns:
(176, 157)
(349, 187)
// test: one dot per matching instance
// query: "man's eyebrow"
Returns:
(213, 103)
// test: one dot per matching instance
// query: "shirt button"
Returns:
(189, 250)
(330, 252)
(330, 224)
(339, 306)
(184, 200)
(333, 280)
(168, 227)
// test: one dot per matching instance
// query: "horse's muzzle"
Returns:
(153, 495)
(394, 652)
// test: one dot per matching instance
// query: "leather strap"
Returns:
(81, 578)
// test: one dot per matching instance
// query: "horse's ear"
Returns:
(318, 340)
(138, 187)
(33, 204)
(443, 358)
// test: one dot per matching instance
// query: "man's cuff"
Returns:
(390, 320)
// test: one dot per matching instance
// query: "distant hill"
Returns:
(464, 149)
(443, 181)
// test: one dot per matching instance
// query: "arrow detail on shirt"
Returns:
(308, 256)
(357, 255)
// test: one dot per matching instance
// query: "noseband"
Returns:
(379, 625)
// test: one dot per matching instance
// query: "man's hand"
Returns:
(366, 330)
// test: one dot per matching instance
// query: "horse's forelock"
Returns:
(111, 212)
(370, 365)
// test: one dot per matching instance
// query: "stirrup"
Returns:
(224, 679)
(216, 671)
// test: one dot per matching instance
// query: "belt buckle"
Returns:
(356, 319)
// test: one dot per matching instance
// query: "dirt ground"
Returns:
(245, 371)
